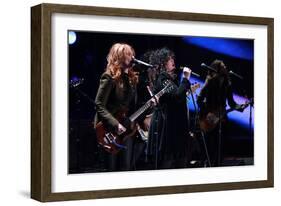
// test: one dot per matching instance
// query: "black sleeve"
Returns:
(104, 90)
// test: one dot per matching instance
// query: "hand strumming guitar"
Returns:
(121, 129)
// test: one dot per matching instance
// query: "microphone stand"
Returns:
(84, 95)
(155, 134)
(194, 104)
(250, 118)
(220, 129)
(220, 138)
(78, 94)
(77, 133)
(201, 132)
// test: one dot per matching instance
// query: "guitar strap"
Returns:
(135, 96)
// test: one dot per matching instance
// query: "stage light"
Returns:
(239, 48)
(71, 37)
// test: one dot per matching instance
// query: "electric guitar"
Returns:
(113, 142)
(209, 120)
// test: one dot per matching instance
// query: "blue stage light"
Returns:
(238, 48)
(71, 37)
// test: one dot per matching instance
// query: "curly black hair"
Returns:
(158, 58)
(161, 56)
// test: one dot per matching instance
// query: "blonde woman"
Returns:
(117, 91)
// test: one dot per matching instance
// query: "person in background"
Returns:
(212, 99)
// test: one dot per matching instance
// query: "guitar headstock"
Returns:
(195, 86)
(168, 86)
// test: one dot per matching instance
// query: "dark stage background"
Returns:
(87, 60)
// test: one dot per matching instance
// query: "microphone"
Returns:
(193, 73)
(235, 74)
(203, 65)
(142, 62)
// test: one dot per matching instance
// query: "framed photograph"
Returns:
(129, 102)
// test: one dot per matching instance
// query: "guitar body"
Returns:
(144, 128)
(110, 140)
(209, 121)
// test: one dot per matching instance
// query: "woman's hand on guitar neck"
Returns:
(241, 107)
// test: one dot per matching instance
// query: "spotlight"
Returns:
(71, 37)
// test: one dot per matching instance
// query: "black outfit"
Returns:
(113, 96)
(168, 135)
(212, 98)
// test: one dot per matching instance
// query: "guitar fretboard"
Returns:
(141, 110)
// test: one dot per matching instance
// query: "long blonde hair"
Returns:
(115, 60)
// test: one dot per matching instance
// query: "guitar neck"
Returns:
(141, 110)
(159, 94)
